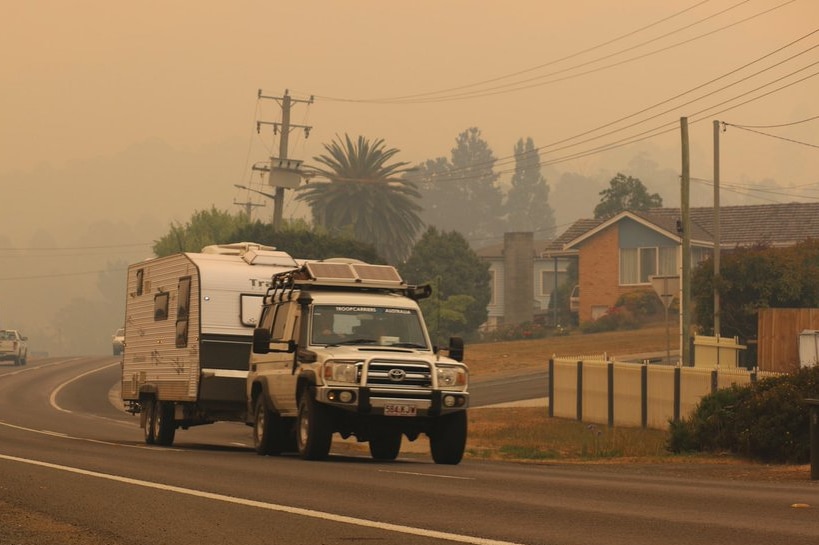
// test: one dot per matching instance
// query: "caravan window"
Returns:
(181, 333)
(161, 305)
(183, 305)
(184, 299)
(140, 275)
(250, 307)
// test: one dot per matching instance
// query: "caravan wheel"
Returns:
(150, 416)
(164, 425)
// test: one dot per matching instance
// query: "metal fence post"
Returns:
(814, 437)
(551, 387)
(644, 394)
(580, 391)
(610, 369)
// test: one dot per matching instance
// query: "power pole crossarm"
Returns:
(286, 103)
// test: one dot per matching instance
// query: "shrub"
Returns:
(643, 304)
(766, 421)
(616, 319)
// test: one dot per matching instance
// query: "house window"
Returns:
(492, 287)
(648, 264)
(547, 281)
(638, 265)
(668, 261)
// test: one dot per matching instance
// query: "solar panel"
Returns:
(354, 273)
(377, 273)
(335, 272)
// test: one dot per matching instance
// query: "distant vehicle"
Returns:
(13, 347)
(118, 341)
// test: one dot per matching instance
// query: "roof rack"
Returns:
(347, 274)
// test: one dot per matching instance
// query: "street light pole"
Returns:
(249, 205)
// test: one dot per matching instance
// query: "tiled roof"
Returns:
(773, 224)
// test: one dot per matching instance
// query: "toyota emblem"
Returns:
(397, 375)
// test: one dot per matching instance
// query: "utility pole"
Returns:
(280, 164)
(248, 207)
(717, 238)
(685, 278)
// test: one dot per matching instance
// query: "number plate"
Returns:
(399, 410)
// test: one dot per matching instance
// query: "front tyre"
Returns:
(448, 439)
(314, 435)
(385, 445)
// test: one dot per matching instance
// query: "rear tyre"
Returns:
(263, 429)
(313, 436)
(149, 408)
(164, 425)
(385, 445)
(272, 434)
(448, 440)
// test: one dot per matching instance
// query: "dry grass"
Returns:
(527, 433)
(517, 356)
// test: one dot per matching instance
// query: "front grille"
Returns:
(399, 374)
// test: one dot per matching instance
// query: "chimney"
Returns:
(519, 270)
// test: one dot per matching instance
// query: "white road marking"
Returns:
(268, 506)
(53, 397)
(27, 369)
(417, 474)
(87, 440)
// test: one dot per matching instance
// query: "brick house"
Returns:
(619, 254)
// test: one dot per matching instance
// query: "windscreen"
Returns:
(379, 326)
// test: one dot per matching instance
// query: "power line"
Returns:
(59, 275)
(789, 124)
(773, 135)
(519, 85)
(56, 248)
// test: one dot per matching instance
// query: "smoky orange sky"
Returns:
(88, 78)
(94, 91)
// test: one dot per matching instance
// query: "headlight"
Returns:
(341, 371)
(451, 377)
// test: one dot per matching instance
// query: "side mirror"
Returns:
(261, 340)
(456, 348)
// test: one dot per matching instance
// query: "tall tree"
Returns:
(365, 196)
(527, 203)
(756, 277)
(300, 241)
(205, 227)
(462, 194)
(459, 279)
(625, 193)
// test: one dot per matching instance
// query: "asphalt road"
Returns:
(67, 454)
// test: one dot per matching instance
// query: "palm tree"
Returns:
(359, 194)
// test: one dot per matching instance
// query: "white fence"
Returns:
(598, 390)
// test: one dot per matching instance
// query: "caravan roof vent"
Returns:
(255, 256)
(235, 248)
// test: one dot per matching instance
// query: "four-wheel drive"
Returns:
(13, 347)
(342, 348)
